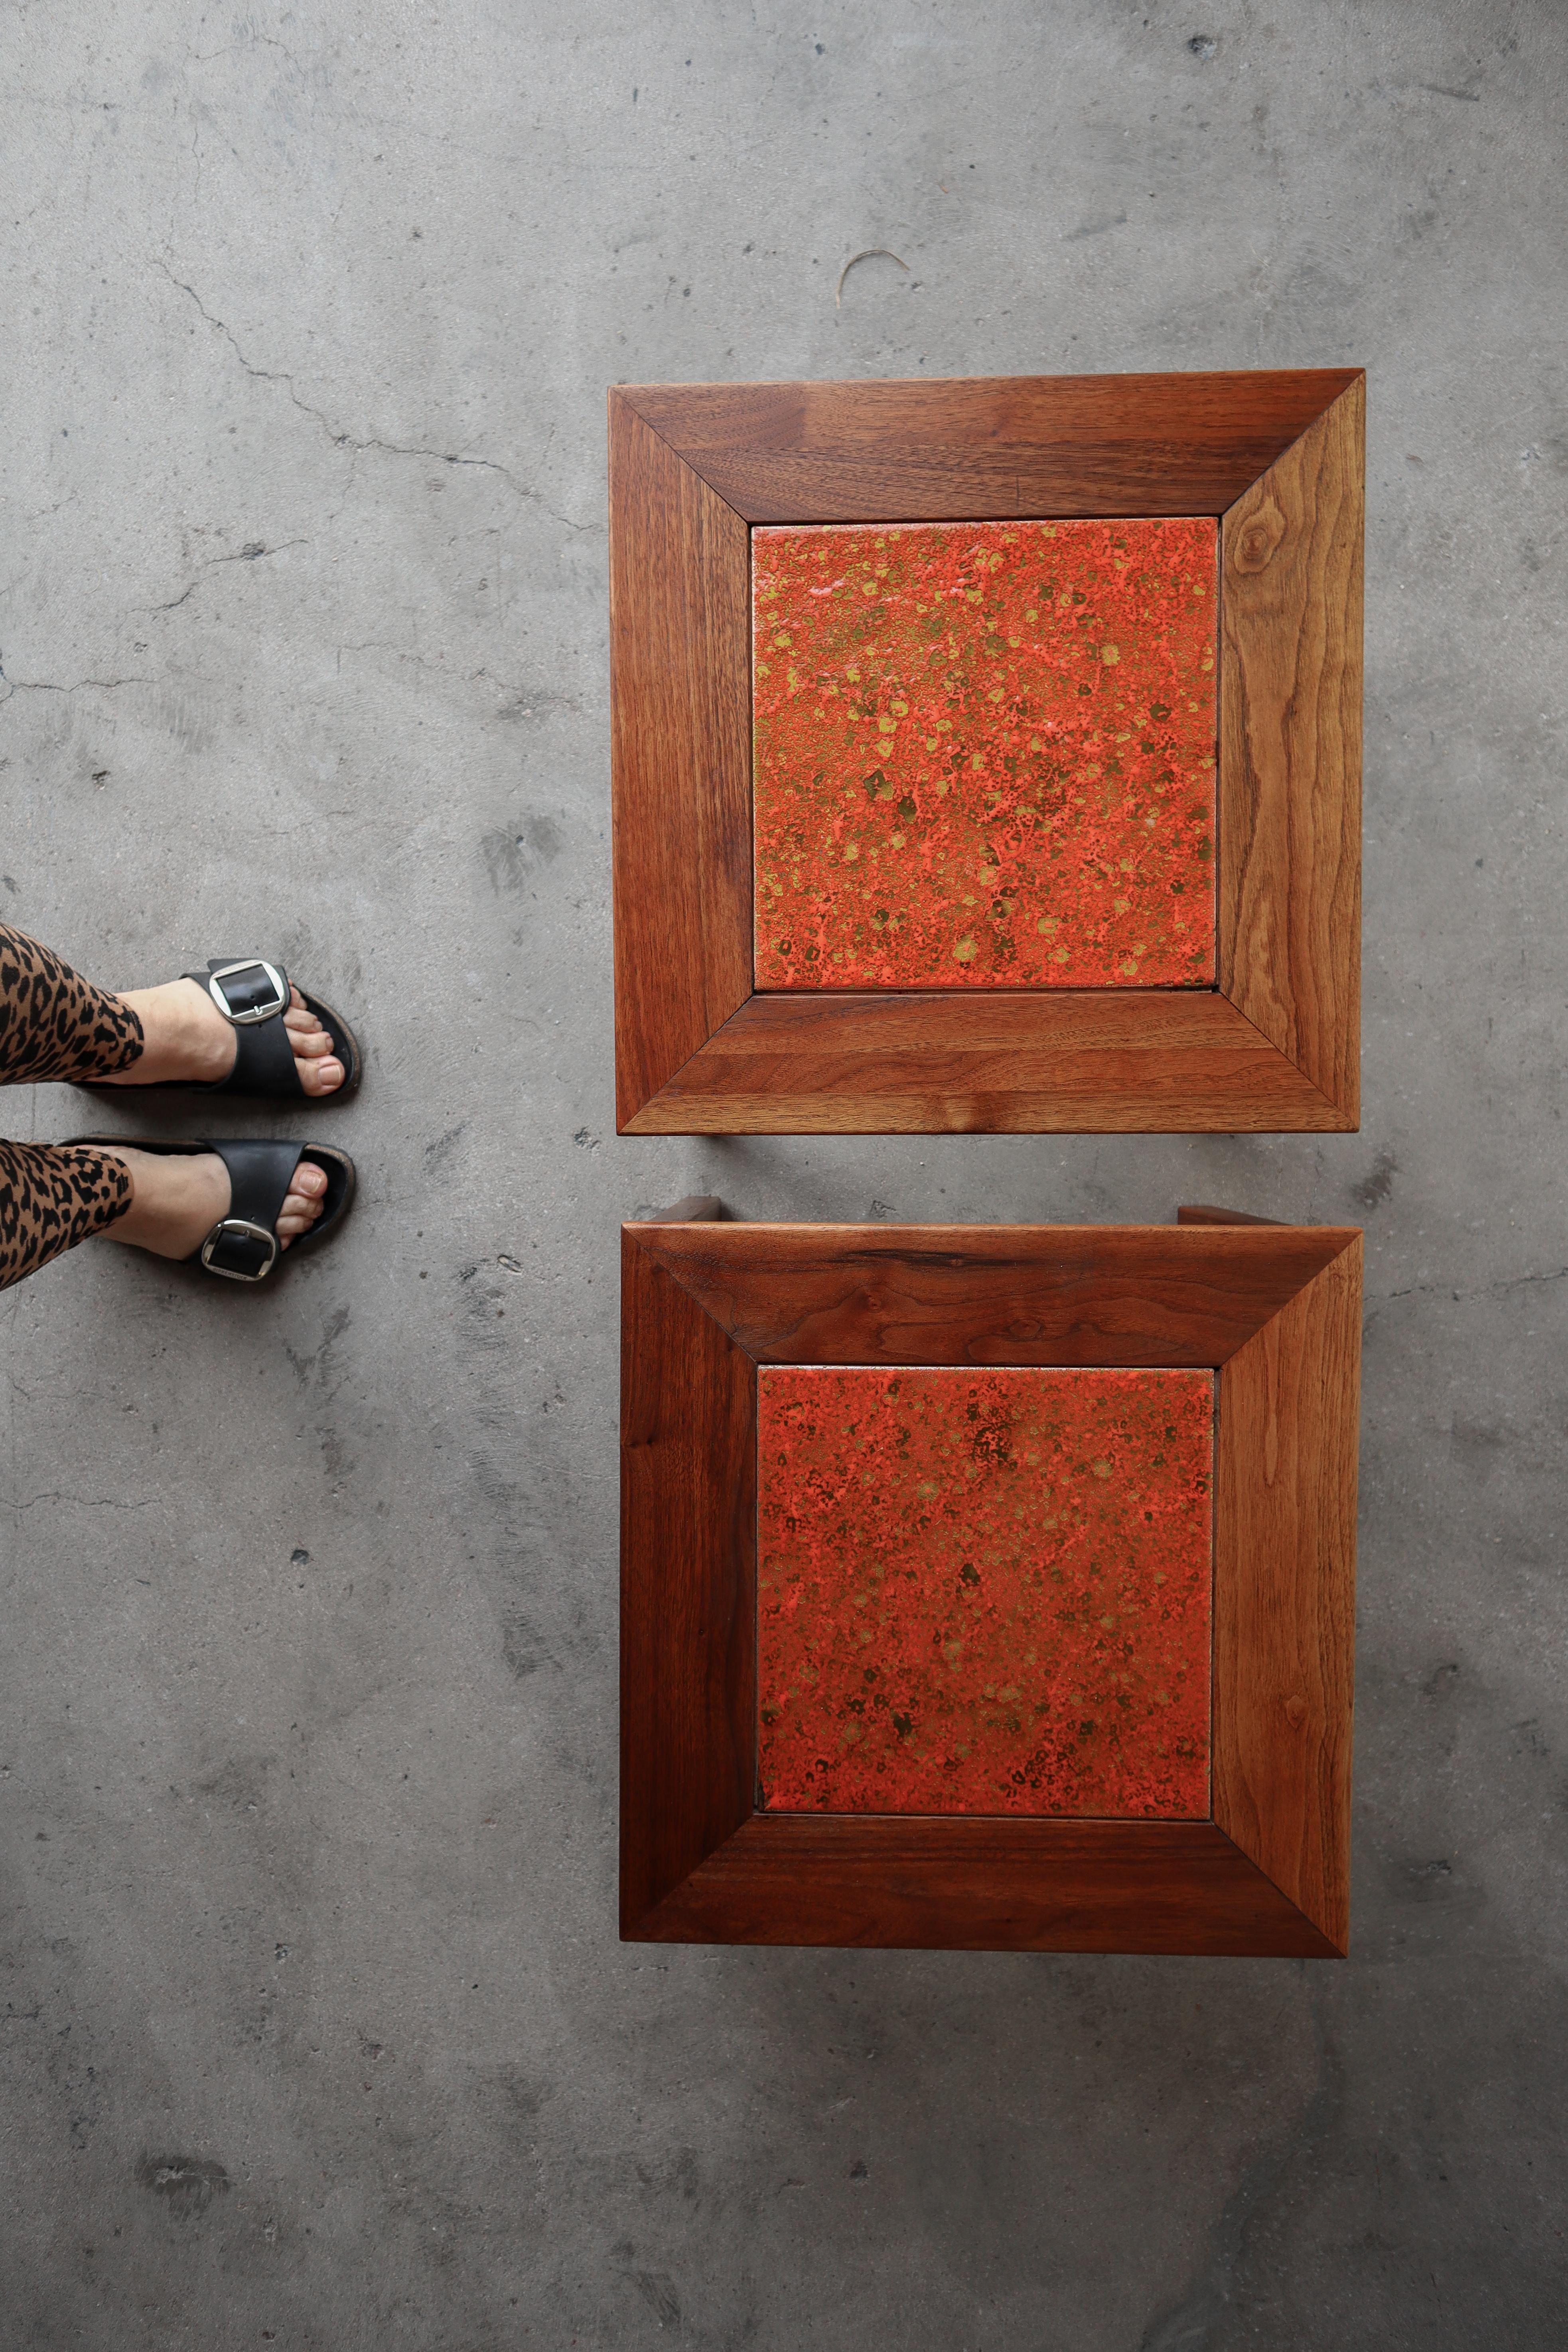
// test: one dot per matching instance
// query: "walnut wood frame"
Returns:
(1275, 1310)
(1278, 458)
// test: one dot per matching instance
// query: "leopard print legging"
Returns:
(56, 1025)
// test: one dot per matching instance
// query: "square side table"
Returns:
(1277, 459)
(1273, 1313)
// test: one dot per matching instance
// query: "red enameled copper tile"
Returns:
(984, 754)
(985, 1593)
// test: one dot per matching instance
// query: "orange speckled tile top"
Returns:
(984, 754)
(985, 1593)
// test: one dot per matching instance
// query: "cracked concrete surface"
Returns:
(346, 440)
(316, 2030)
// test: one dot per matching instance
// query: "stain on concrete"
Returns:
(185, 2184)
(333, 1326)
(1374, 1187)
(523, 2096)
(513, 855)
(239, 1782)
(657, 2289)
(439, 1154)
(522, 1648)
(1195, 2323)
(1477, 1446)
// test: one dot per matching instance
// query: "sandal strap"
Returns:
(243, 1246)
(252, 993)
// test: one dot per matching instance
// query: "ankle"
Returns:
(183, 1035)
(176, 1200)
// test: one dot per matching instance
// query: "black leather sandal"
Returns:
(253, 995)
(244, 1246)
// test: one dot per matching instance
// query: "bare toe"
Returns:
(320, 1072)
(323, 1076)
(302, 1203)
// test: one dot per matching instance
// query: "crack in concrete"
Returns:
(402, 653)
(253, 41)
(254, 554)
(84, 1502)
(49, 686)
(1487, 1290)
(356, 442)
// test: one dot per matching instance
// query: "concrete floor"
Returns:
(317, 2031)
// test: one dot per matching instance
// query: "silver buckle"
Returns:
(259, 1011)
(240, 1228)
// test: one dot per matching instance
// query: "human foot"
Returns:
(187, 1041)
(178, 1198)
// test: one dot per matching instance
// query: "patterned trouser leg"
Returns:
(56, 1025)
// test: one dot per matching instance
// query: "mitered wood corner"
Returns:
(1273, 1309)
(1278, 457)
(981, 448)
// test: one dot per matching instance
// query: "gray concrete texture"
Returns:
(317, 2031)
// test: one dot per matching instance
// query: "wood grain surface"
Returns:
(987, 1884)
(992, 1294)
(1276, 1308)
(1289, 751)
(1285, 1522)
(689, 1681)
(1278, 455)
(680, 754)
(984, 448)
(1108, 1060)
